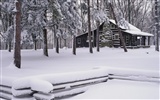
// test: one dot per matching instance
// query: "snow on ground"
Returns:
(121, 89)
(135, 61)
(141, 59)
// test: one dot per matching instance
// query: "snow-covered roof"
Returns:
(131, 27)
(94, 27)
(138, 33)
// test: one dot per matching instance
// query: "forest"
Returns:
(48, 24)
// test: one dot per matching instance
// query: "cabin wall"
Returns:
(82, 40)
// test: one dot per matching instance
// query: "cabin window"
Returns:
(113, 26)
(79, 40)
(116, 37)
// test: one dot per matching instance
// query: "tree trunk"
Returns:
(157, 25)
(10, 46)
(55, 37)
(6, 46)
(129, 11)
(17, 51)
(10, 41)
(89, 29)
(57, 45)
(60, 42)
(74, 44)
(65, 42)
(45, 48)
(98, 24)
(35, 44)
(97, 37)
(119, 30)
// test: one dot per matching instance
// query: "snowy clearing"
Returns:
(141, 64)
(120, 89)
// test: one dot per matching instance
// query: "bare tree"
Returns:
(135, 11)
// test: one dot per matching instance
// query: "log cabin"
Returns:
(133, 37)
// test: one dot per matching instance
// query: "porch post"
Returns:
(144, 41)
(131, 40)
(148, 40)
(136, 44)
(140, 41)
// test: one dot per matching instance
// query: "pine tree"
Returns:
(72, 19)
(34, 20)
(6, 17)
(56, 18)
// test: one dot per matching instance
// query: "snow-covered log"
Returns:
(135, 78)
(5, 89)
(68, 89)
(6, 96)
(47, 87)
(60, 94)
(66, 86)
(63, 78)
(71, 87)
(41, 86)
(21, 93)
(135, 75)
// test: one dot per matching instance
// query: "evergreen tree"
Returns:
(35, 21)
(6, 17)
(72, 19)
